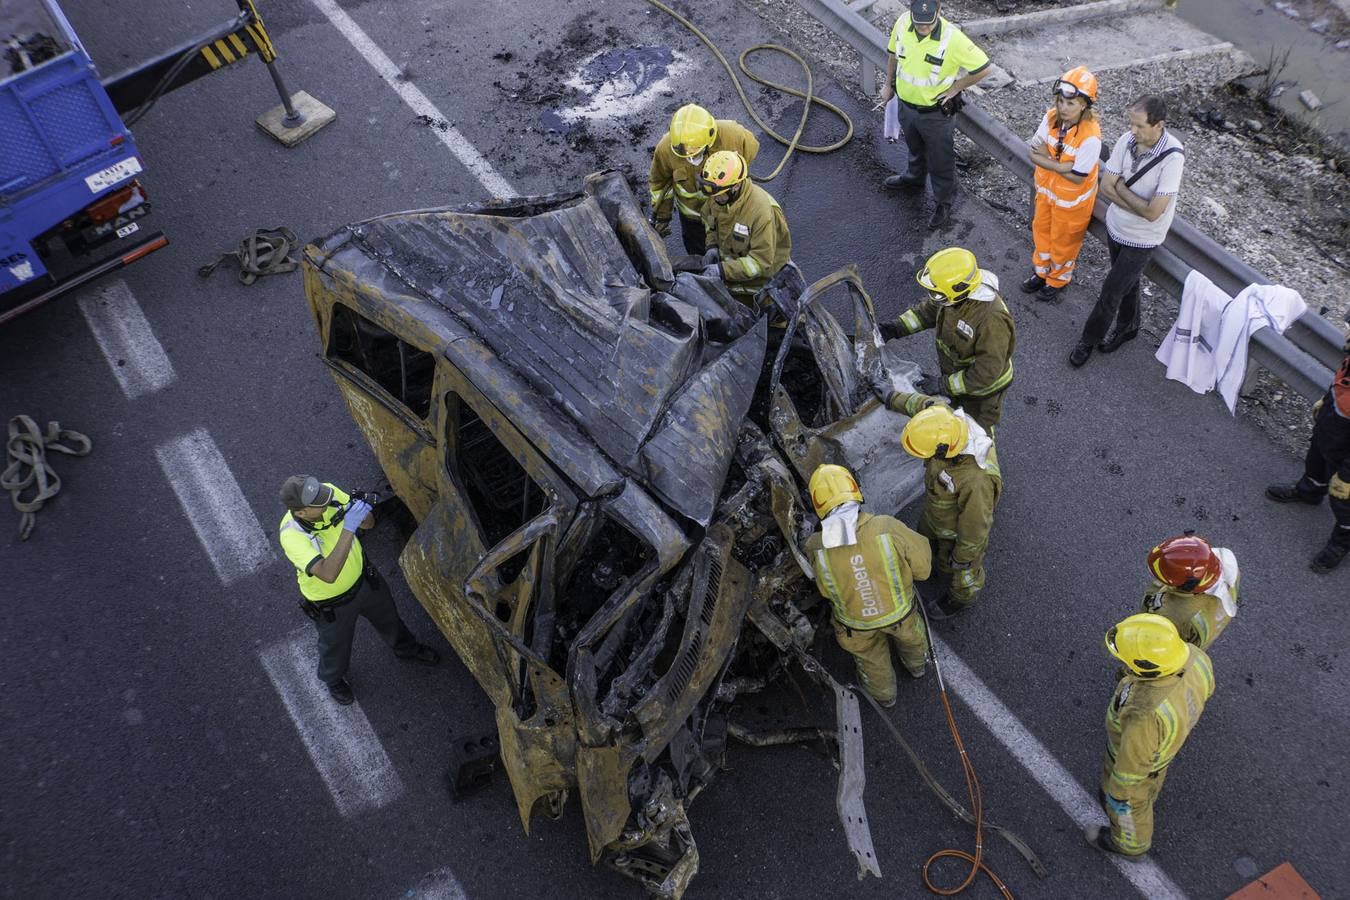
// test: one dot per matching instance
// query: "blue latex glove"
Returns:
(1119, 807)
(355, 516)
(711, 256)
(712, 271)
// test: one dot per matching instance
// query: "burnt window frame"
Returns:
(418, 418)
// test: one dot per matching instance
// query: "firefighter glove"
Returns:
(357, 514)
(1317, 408)
(880, 385)
(1338, 488)
(662, 226)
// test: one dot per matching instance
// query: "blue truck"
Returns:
(73, 205)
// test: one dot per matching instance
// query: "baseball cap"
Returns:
(300, 491)
(923, 12)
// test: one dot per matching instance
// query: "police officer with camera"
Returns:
(318, 535)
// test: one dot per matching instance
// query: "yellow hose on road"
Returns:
(793, 144)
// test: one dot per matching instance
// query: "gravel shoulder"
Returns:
(1266, 188)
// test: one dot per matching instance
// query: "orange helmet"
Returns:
(1185, 562)
(1077, 81)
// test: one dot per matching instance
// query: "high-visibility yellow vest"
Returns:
(303, 546)
(926, 66)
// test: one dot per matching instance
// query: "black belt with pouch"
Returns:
(314, 609)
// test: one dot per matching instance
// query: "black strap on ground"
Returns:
(267, 251)
(27, 448)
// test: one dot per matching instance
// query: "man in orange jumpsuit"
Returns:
(1064, 152)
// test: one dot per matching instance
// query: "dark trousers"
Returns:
(693, 234)
(1119, 299)
(1327, 452)
(928, 135)
(373, 601)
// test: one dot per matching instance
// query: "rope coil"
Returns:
(27, 448)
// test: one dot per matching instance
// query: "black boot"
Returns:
(1033, 284)
(1330, 556)
(1289, 493)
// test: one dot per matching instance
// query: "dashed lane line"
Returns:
(344, 748)
(212, 501)
(438, 885)
(138, 361)
(1146, 875)
(417, 101)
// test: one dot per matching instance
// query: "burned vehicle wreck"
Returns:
(606, 461)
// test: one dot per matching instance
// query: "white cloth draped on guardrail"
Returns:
(1207, 345)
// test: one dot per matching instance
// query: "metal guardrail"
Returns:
(1306, 366)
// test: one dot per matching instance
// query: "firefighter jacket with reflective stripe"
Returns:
(1149, 719)
(1200, 618)
(673, 180)
(926, 66)
(975, 340)
(306, 546)
(1062, 145)
(959, 502)
(752, 235)
(870, 584)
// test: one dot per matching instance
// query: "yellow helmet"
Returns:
(935, 431)
(1148, 645)
(692, 130)
(950, 275)
(830, 486)
(722, 172)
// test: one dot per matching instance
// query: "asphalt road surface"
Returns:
(160, 736)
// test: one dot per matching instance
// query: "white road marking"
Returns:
(350, 759)
(123, 334)
(214, 504)
(624, 93)
(439, 885)
(417, 101)
(1145, 874)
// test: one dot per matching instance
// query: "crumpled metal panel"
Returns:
(852, 779)
(708, 410)
(554, 287)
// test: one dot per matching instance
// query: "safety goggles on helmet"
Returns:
(1067, 90)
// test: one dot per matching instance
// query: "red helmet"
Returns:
(1185, 562)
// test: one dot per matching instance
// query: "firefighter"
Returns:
(866, 566)
(962, 484)
(677, 161)
(1326, 468)
(747, 233)
(1064, 153)
(1156, 704)
(974, 331)
(1195, 587)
